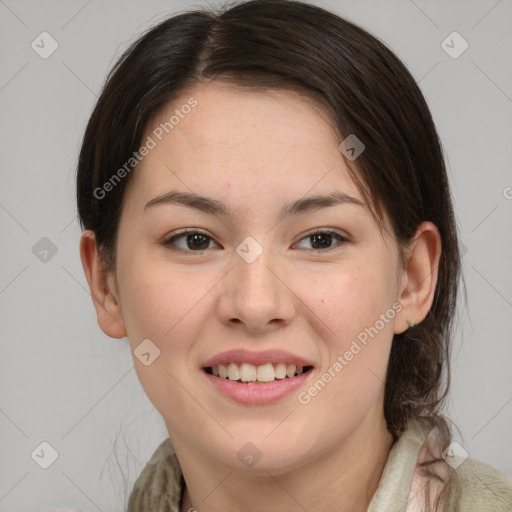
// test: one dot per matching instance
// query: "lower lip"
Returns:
(255, 394)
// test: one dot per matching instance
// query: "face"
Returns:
(250, 285)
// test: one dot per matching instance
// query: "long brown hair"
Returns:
(368, 91)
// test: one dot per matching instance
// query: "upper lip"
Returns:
(256, 358)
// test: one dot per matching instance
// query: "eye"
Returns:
(321, 239)
(194, 241)
(197, 241)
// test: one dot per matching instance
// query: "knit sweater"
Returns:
(473, 486)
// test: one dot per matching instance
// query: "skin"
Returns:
(255, 151)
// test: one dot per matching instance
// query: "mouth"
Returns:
(256, 378)
(248, 373)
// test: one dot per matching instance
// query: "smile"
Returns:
(256, 377)
(248, 373)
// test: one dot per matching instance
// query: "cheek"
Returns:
(163, 305)
(346, 300)
(354, 319)
(356, 343)
(159, 297)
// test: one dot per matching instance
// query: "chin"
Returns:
(261, 449)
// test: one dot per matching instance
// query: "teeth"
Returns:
(233, 372)
(247, 372)
(280, 371)
(265, 373)
(250, 373)
(290, 370)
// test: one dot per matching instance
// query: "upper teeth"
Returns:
(247, 372)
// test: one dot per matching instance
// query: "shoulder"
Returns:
(482, 488)
(472, 486)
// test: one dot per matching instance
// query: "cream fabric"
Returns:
(474, 486)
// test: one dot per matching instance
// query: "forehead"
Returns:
(244, 146)
(230, 121)
(243, 129)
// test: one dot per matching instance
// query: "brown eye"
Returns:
(194, 241)
(321, 240)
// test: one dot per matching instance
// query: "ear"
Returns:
(419, 279)
(102, 287)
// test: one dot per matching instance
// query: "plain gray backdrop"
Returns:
(65, 383)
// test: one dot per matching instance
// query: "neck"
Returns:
(344, 479)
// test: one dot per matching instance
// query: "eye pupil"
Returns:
(192, 238)
(319, 236)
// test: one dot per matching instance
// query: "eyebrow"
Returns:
(214, 207)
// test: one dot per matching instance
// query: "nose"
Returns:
(257, 294)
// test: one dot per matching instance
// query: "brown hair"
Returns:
(368, 91)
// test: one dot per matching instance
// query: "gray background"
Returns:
(64, 382)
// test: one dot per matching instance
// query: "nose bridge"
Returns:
(253, 267)
(256, 295)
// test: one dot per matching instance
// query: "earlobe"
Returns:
(420, 278)
(102, 289)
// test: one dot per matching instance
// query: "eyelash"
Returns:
(169, 242)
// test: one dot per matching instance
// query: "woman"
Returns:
(268, 220)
